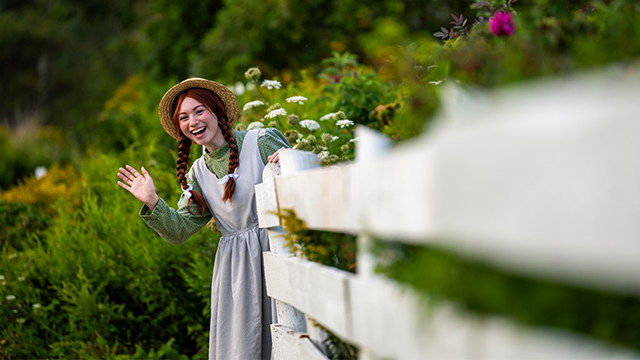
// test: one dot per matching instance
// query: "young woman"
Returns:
(220, 184)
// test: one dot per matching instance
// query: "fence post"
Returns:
(291, 161)
(369, 146)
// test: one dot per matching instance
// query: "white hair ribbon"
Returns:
(187, 191)
(226, 178)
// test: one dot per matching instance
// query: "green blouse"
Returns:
(176, 226)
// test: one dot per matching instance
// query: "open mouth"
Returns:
(198, 131)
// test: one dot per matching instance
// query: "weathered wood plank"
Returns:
(292, 345)
(319, 197)
(391, 321)
(267, 204)
(319, 291)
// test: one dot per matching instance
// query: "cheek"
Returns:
(184, 128)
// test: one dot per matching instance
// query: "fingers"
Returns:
(126, 173)
(133, 171)
(145, 173)
(124, 177)
(124, 186)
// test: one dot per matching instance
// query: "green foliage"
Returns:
(32, 146)
(338, 349)
(441, 275)
(327, 248)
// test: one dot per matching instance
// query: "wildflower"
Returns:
(253, 74)
(275, 113)
(328, 116)
(353, 140)
(273, 107)
(297, 99)
(36, 306)
(327, 138)
(40, 172)
(293, 120)
(241, 127)
(20, 320)
(312, 140)
(292, 136)
(239, 88)
(15, 311)
(345, 148)
(301, 145)
(10, 297)
(343, 123)
(270, 84)
(323, 155)
(310, 124)
(252, 104)
(435, 82)
(20, 278)
(501, 24)
(340, 116)
(272, 124)
(3, 283)
(255, 125)
(1, 277)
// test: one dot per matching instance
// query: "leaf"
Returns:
(454, 18)
(444, 30)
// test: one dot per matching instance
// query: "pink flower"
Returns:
(501, 24)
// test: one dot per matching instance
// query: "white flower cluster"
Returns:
(252, 104)
(36, 306)
(275, 113)
(328, 116)
(310, 124)
(323, 155)
(10, 297)
(271, 84)
(255, 125)
(297, 99)
(343, 123)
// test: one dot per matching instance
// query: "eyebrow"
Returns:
(197, 106)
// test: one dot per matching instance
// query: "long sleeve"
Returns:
(269, 141)
(176, 226)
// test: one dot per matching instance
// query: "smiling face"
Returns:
(199, 124)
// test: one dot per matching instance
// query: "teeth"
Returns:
(196, 132)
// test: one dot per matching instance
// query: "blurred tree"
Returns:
(172, 34)
(281, 34)
(61, 59)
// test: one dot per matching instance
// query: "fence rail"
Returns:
(541, 181)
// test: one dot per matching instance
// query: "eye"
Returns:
(183, 118)
(200, 111)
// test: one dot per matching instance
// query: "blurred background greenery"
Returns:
(81, 276)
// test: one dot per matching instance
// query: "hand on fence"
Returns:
(140, 185)
(275, 157)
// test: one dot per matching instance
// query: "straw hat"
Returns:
(164, 110)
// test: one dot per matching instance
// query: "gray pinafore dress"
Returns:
(241, 311)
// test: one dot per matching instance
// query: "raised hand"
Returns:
(275, 157)
(140, 185)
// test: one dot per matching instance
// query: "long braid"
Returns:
(234, 161)
(184, 150)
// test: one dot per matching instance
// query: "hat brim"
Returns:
(226, 95)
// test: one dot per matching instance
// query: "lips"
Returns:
(198, 131)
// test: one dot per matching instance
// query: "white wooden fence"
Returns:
(542, 180)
